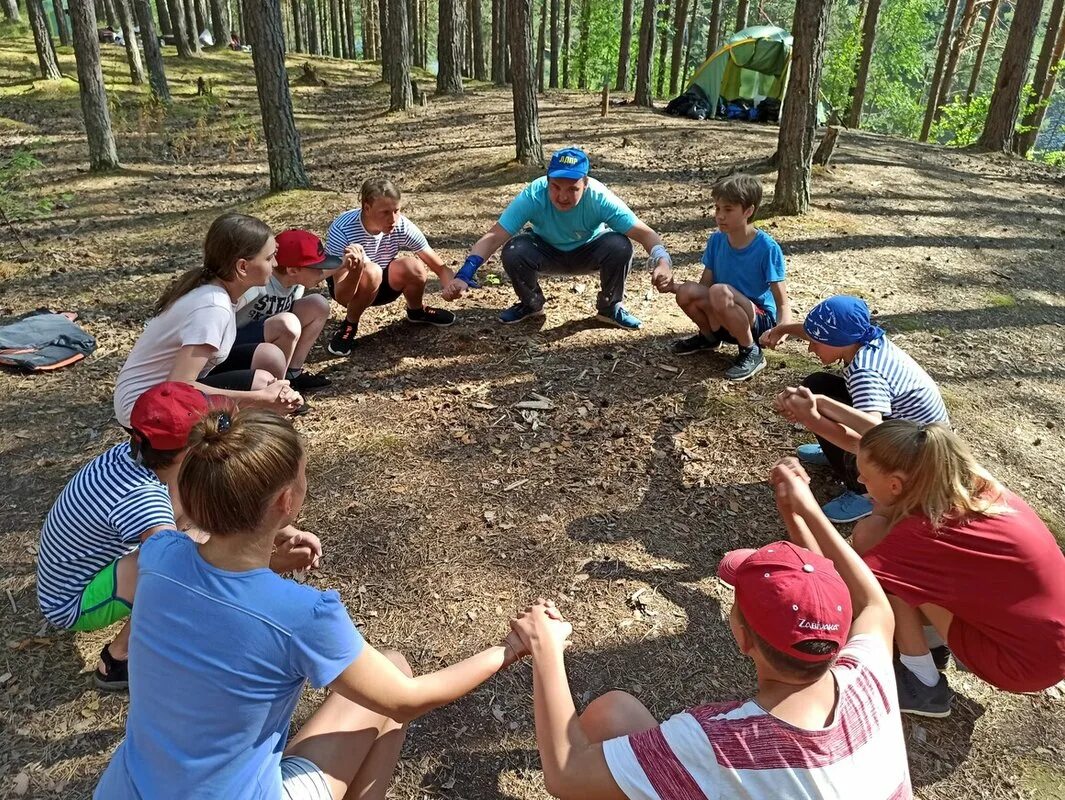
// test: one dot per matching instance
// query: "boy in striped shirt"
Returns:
(824, 723)
(879, 381)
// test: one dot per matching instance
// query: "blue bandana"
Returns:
(841, 321)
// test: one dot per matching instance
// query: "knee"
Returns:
(271, 358)
(720, 296)
(517, 249)
(312, 308)
(285, 327)
(370, 278)
(408, 271)
(617, 249)
(690, 294)
(608, 715)
(399, 660)
(815, 382)
(262, 378)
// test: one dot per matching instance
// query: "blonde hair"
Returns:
(238, 461)
(942, 478)
(377, 187)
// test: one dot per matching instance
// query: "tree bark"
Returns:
(566, 27)
(177, 20)
(221, 27)
(449, 47)
(42, 38)
(334, 27)
(109, 14)
(312, 26)
(129, 34)
(540, 47)
(1000, 127)
(165, 26)
(861, 76)
(642, 95)
(152, 54)
(583, 31)
(399, 74)
(297, 26)
(528, 148)
(367, 31)
(199, 13)
(621, 82)
(11, 12)
(500, 39)
(413, 30)
(688, 39)
(425, 32)
(713, 30)
(283, 151)
(349, 27)
(798, 117)
(385, 25)
(663, 43)
(62, 22)
(556, 43)
(978, 62)
(103, 155)
(477, 23)
(960, 40)
(936, 87)
(1044, 79)
(679, 27)
(191, 28)
(743, 11)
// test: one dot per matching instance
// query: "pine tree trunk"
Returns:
(467, 42)
(42, 38)
(349, 29)
(191, 29)
(663, 43)
(936, 87)
(385, 24)
(584, 31)
(621, 82)
(110, 15)
(367, 31)
(413, 28)
(399, 73)
(283, 151)
(62, 22)
(798, 117)
(1043, 80)
(200, 13)
(861, 76)
(220, 26)
(688, 39)
(449, 47)
(11, 13)
(477, 23)
(960, 40)
(177, 20)
(743, 11)
(499, 39)
(129, 34)
(425, 32)
(238, 18)
(152, 54)
(334, 25)
(642, 95)
(103, 155)
(166, 28)
(556, 43)
(677, 54)
(297, 26)
(566, 27)
(540, 47)
(528, 147)
(713, 30)
(1000, 127)
(978, 61)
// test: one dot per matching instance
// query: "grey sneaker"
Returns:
(920, 700)
(749, 362)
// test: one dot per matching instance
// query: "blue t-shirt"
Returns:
(599, 211)
(750, 270)
(217, 661)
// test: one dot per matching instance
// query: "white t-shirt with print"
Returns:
(263, 302)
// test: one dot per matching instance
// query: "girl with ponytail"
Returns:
(221, 646)
(963, 559)
(190, 337)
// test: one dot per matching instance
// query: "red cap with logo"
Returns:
(300, 249)
(789, 595)
(165, 414)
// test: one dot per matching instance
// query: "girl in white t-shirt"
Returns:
(194, 326)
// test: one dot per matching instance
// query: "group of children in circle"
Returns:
(184, 532)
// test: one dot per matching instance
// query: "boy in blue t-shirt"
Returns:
(742, 293)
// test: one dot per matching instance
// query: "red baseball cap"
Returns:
(788, 595)
(164, 415)
(299, 249)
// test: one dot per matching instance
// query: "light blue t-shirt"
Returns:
(217, 661)
(750, 270)
(599, 211)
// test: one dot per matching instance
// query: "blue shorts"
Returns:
(764, 319)
(252, 333)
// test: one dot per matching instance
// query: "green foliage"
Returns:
(842, 49)
(905, 45)
(961, 123)
(1053, 158)
(15, 169)
(604, 40)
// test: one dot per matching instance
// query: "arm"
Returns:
(779, 333)
(436, 264)
(825, 417)
(662, 269)
(858, 421)
(191, 360)
(496, 237)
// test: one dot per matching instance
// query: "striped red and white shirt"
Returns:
(738, 750)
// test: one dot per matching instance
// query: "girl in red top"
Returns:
(956, 550)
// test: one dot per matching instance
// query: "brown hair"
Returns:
(789, 664)
(377, 187)
(147, 456)
(941, 477)
(230, 238)
(743, 190)
(237, 463)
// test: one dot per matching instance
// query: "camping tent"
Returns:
(753, 63)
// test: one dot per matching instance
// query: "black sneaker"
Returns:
(308, 382)
(695, 344)
(920, 700)
(941, 656)
(117, 677)
(343, 341)
(749, 362)
(427, 315)
(303, 409)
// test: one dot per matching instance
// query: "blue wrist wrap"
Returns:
(469, 269)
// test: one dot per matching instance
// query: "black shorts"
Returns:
(385, 293)
(252, 333)
(235, 373)
(763, 321)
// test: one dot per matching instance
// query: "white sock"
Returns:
(931, 635)
(921, 666)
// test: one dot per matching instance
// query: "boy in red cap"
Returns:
(824, 722)
(281, 314)
(87, 558)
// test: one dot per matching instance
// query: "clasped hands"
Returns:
(797, 404)
(539, 628)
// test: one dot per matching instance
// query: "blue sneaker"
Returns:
(619, 317)
(848, 507)
(812, 454)
(518, 312)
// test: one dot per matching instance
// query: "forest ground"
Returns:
(443, 508)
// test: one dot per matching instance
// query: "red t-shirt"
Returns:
(1003, 578)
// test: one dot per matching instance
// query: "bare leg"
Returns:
(408, 275)
(939, 618)
(283, 331)
(694, 301)
(868, 533)
(312, 312)
(735, 312)
(270, 358)
(355, 291)
(355, 748)
(909, 628)
(615, 714)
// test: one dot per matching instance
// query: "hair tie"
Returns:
(224, 422)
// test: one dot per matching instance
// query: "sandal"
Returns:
(116, 679)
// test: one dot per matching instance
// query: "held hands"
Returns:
(662, 277)
(791, 486)
(354, 258)
(541, 628)
(280, 396)
(295, 549)
(454, 289)
(773, 338)
(797, 404)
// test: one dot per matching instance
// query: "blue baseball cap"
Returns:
(570, 162)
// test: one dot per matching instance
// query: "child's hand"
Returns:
(515, 649)
(541, 626)
(802, 404)
(780, 404)
(281, 396)
(454, 289)
(791, 487)
(295, 549)
(773, 338)
(354, 256)
(662, 277)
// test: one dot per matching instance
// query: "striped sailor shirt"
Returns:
(380, 248)
(883, 378)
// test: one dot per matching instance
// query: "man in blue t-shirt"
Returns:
(741, 294)
(578, 226)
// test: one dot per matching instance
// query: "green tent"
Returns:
(753, 63)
